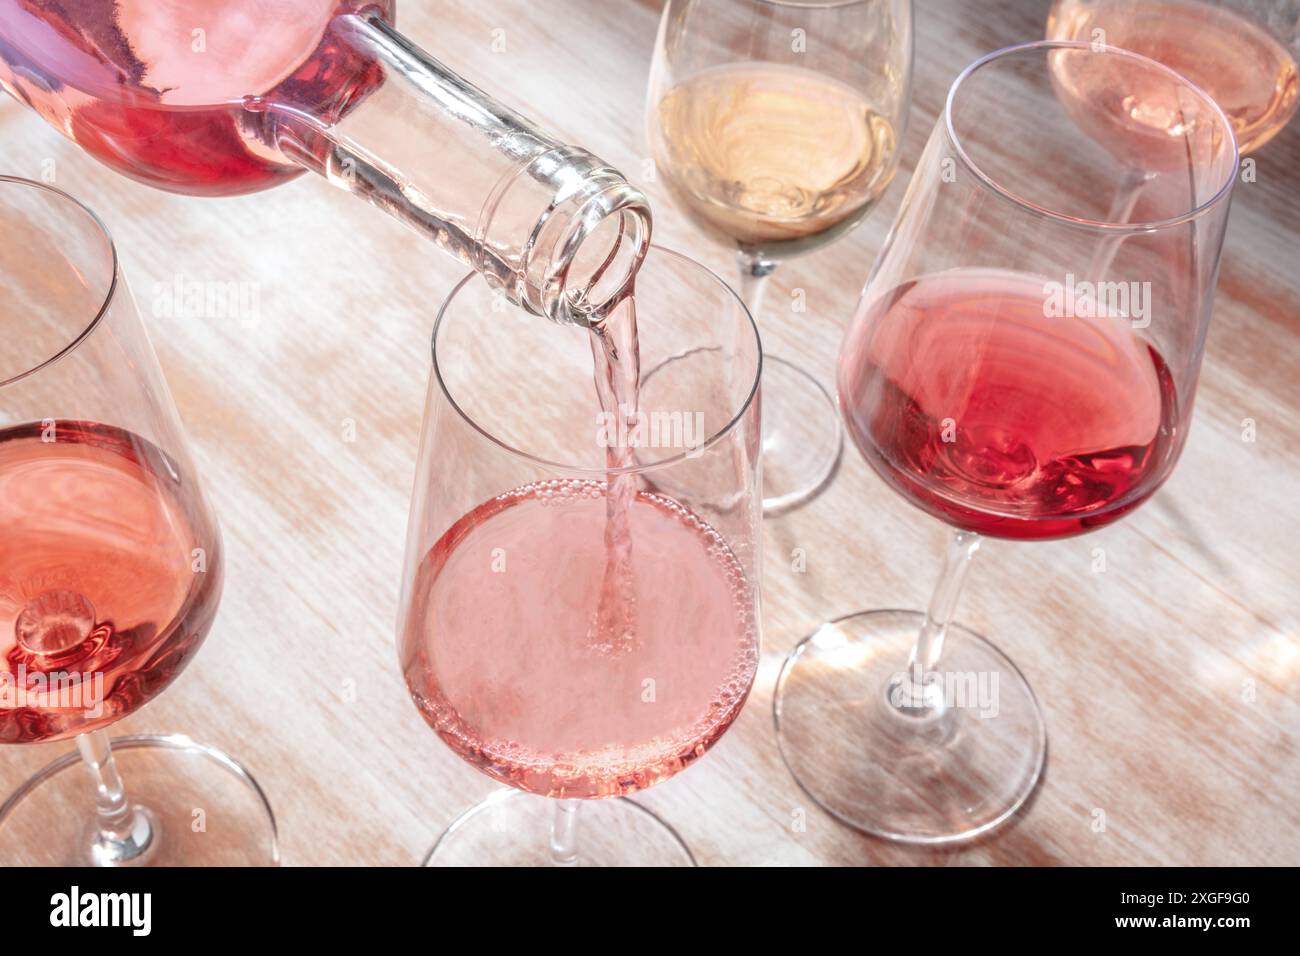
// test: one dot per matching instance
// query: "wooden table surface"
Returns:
(1170, 682)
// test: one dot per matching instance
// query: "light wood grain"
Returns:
(1170, 682)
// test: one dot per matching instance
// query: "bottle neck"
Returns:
(554, 228)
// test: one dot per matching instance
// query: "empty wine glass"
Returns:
(776, 124)
(111, 567)
(996, 383)
(517, 524)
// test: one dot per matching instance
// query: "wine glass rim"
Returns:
(1099, 225)
(588, 471)
(112, 281)
(814, 4)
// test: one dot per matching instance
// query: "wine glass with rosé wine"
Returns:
(110, 565)
(1241, 52)
(580, 606)
(1006, 378)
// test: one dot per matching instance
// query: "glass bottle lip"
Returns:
(1220, 195)
(587, 194)
(109, 293)
(617, 197)
(588, 471)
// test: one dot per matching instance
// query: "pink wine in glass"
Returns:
(992, 415)
(1251, 75)
(109, 577)
(499, 654)
(156, 89)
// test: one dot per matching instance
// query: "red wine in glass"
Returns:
(115, 577)
(992, 415)
(1022, 365)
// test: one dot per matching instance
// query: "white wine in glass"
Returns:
(778, 159)
(776, 127)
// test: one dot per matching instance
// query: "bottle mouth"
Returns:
(588, 230)
(593, 269)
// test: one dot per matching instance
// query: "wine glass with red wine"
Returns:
(579, 614)
(999, 382)
(110, 568)
(776, 125)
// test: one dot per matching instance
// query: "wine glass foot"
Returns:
(802, 437)
(194, 805)
(513, 828)
(134, 848)
(948, 771)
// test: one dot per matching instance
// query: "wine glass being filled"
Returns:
(579, 617)
(777, 125)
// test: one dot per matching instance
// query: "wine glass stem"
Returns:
(121, 832)
(110, 796)
(564, 833)
(753, 282)
(943, 604)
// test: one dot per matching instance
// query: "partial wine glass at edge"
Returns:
(100, 538)
(1242, 52)
(111, 568)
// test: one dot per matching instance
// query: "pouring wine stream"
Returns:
(617, 366)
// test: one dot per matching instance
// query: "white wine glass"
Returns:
(776, 125)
